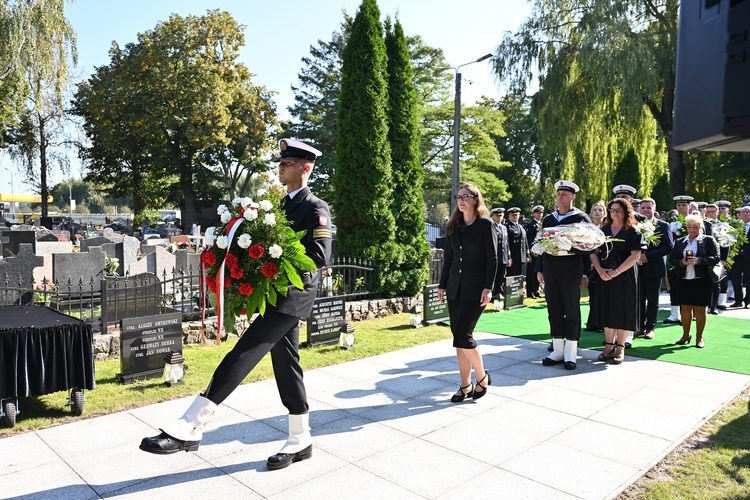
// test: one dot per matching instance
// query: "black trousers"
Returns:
(649, 287)
(499, 287)
(274, 332)
(562, 289)
(532, 284)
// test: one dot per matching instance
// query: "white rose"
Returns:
(244, 241)
(210, 237)
(250, 214)
(222, 242)
(236, 201)
(275, 251)
(266, 205)
(245, 202)
(221, 209)
(270, 219)
(226, 216)
(262, 192)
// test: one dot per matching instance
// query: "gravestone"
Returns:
(45, 236)
(434, 310)
(144, 343)
(131, 296)
(3, 239)
(18, 272)
(46, 249)
(16, 238)
(514, 292)
(107, 245)
(130, 248)
(158, 262)
(326, 321)
(72, 267)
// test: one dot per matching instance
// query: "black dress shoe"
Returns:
(672, 321)
(550, 348)
(550, 362)
(283, 460)
(713, 310)
(628, 345)
(569, 365)
(164, 444)
(736, 304)
(721, 308)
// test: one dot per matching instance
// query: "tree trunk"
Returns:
(44, 190)
(676, 171)
(189, 200)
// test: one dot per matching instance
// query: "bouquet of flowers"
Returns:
(647, 230)
(724, 233)
(568, 238)
(677, 226)
(252, 258)
(180, 245)
(736, 233)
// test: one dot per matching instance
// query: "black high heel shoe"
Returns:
(684, 340)
(457, 398)
(478, 395)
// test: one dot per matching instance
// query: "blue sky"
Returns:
(279, 34)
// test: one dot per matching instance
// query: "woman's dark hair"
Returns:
(628, 218)
(456, 222)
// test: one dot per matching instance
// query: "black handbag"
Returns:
(717, 272)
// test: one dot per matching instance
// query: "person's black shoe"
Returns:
(713, 310)
(550, 348)
(164, 444)
(672, 321)
(283, 460)
(721, 308)
(551, 362)
(569, 365)
(736, 304)
(628, 345)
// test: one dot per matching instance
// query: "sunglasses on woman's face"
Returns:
(463, 197)
(616, 210)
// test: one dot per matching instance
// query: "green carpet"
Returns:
(726, 338)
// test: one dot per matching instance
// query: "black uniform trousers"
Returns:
(562, 290)
(532, 284)
(499, 286)
(648, 296)
(274, 332)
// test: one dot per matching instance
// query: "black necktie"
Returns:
(285, 200)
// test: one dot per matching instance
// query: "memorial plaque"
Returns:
(434, 310)
(514, 292)
(327, 320)
(144, 342)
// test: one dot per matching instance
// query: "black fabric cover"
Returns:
(43, 351)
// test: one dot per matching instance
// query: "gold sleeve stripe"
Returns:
(321, 233)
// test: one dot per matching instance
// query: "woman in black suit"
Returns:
(467, 279)
(692, 257)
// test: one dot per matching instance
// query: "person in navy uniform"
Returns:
(277, 331)
(711, 216)
(532, 228)
(503, 253)
(519, 247)
(563, 276)
(466, 282)
(652, 269)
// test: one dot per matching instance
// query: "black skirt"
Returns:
(695, 292)
(464, 315)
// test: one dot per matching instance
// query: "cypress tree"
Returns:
(627, 172)
(662, 194)
(362, 180)
(408, 175)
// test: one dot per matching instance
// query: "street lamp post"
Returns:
(12, 193)
(457, 129)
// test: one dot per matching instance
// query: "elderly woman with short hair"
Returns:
(693, 256)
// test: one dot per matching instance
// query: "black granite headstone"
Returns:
(434, 310)
(514, 292)
(327, 320)
(144, 342)
(16, 238)
(18, 271)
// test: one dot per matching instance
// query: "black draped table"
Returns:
(43, 351)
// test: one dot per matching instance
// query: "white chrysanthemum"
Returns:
(250, 214)
(275, 251)
(222, 242)
(236, 201)
(270, 219)
(245, 202)
(244, 241)
(210, 237)
(226, 216)
(221, 209)
(262, 192)
(266, 206)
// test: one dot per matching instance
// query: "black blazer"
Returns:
(708, 255)
(309, 213)
(656, 267)
(470, 261)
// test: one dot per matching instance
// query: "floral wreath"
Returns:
(251, 259)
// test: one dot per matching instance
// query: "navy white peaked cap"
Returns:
(723, 203)
(624, 189)
(537, 208)
(294, 149)
(567, 186)
(683, 198)
(702, 204)
(514, 210)
(497, 211)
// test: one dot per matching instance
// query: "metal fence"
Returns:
(347, 276)
(436, 265)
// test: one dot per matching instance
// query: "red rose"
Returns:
(208, 258)
(231, 261)
(236, 273)
(227, 282)
(246, 289)
(211, 282)
(269, 270)
(256, 251)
